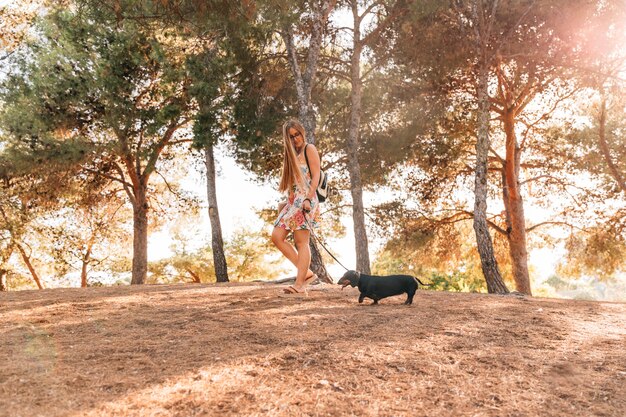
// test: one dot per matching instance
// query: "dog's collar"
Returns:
(358, 276)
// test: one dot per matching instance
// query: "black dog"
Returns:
(377, 288)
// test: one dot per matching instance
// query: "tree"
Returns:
(530, 78)
(384, 16)
(414, 117)
(267, 89)
(598, 146)
(16, 19)
(12, 236)
(191, 259)
(482, 24)
(304, 79)
(85, 231)
(204, 32)
(32, 184)
(523, 75)
(112, 85)
(209, 71)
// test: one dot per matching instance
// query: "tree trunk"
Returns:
(83, 270)
(195, 278)
(217, 243)
(354, 169)
(307, 118)
(317, 262)
(140, 235)
(304, 85)
(3, 287)
(514, 204)
(29, 265)
(4, 258)
(495, 283)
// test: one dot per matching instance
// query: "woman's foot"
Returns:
(293, 290)
(311, 279)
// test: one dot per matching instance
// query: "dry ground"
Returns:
(207, 350)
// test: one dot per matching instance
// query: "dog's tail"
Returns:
(418, 280)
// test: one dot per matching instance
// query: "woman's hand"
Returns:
(306, 205)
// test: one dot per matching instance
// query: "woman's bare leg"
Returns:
(304, 256)
(279, 238)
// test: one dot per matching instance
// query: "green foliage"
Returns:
(433, 55)
(100, 98)
(387, 264)
(583, 140)
(559, 283)
(458, 282)
(248, 259)
(183, 266)
(85, 84)
(93, 232)
(585, 288)
(446, 254)
(264, 99)
(18, 279)
(242, 88)
(246, 255)
(597, 251)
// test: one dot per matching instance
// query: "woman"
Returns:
(299, 213)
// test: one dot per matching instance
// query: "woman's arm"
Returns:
(314, 165)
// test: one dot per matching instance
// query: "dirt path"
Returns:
(194, 350)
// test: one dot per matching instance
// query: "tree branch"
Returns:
(292, 57)
(375, 34)
(156, 152)
(536, 226)
(167, 184)
(127, 187)
(489, 222)
(337, 73)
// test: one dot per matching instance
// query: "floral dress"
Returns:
(291, 217)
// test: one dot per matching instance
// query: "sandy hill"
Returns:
(244, 349)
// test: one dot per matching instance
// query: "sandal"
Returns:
(311, 279)
(293, 290)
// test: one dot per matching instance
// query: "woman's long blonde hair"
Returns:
(291, 166)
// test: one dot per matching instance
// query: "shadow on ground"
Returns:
(248, 350)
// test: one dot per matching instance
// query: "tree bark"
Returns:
(140, 235)
(514, 204)
(306, 113)
(85, 264)
(317, 262)
(4, 258)
(217, 243)
(495, 283)
(195, 278)
(3, 287)
(354, 168)
(30, 267)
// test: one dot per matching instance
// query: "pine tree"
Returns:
(109, 86)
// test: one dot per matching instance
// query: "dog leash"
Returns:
(319, 241)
